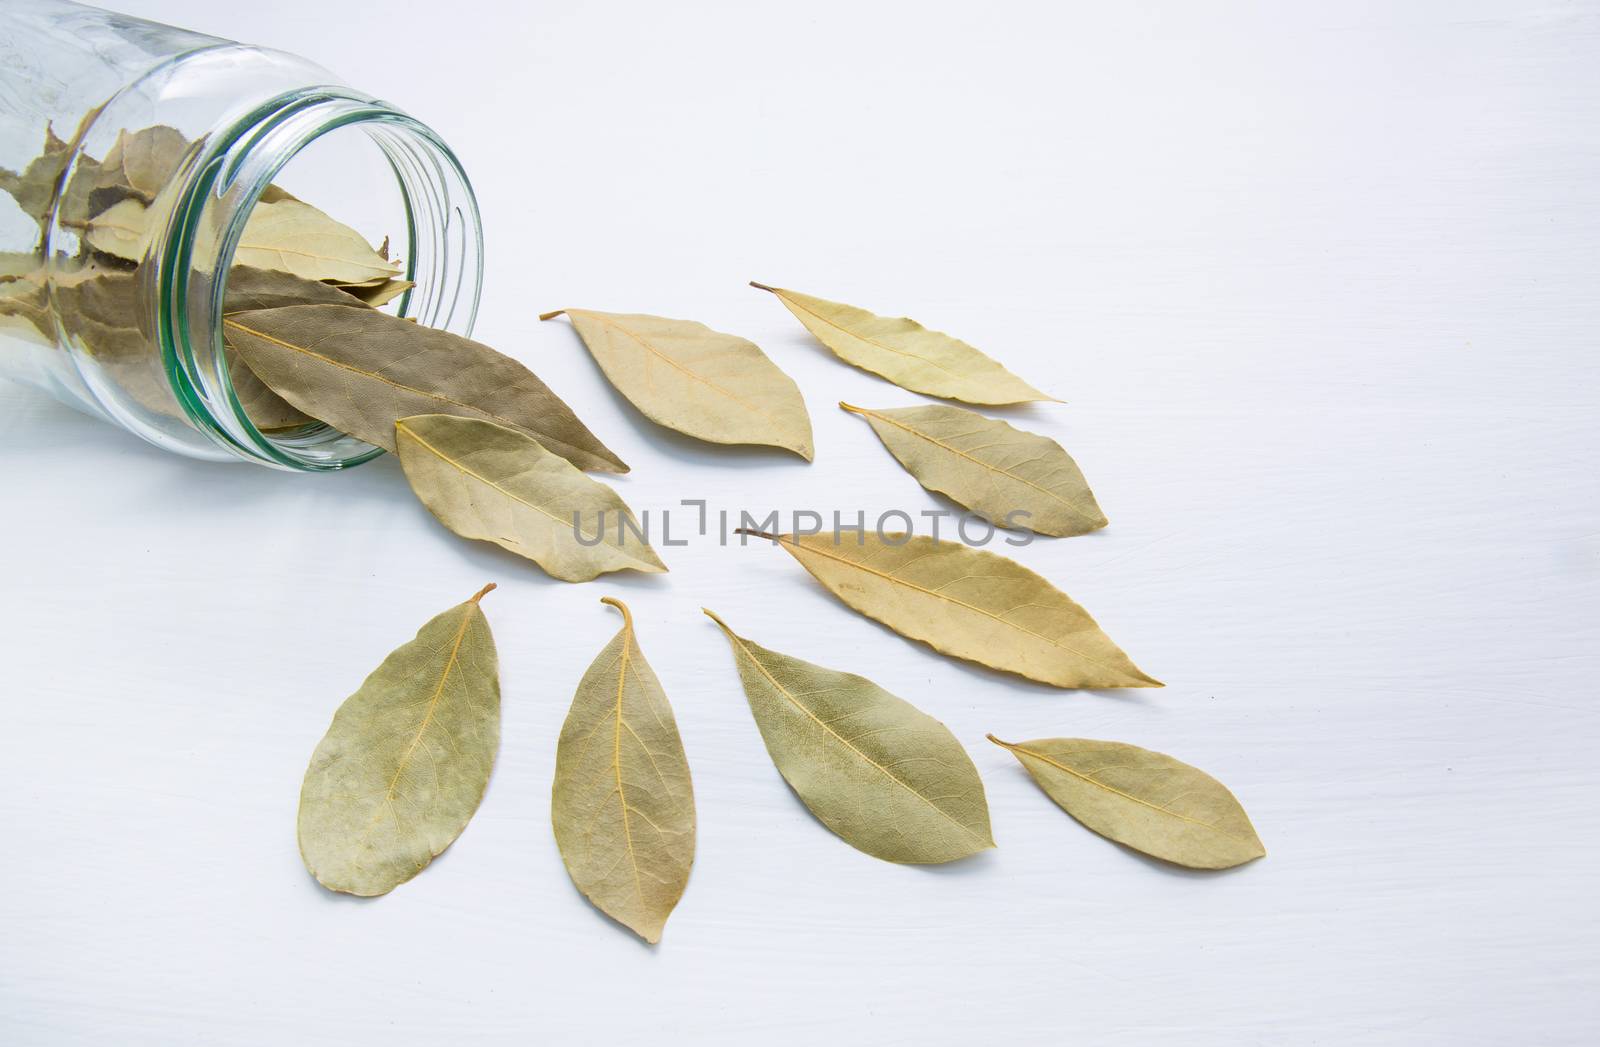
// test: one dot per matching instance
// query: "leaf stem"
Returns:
(551, 315)
(1003, 745)
(755, 534)
(709, 613)
(852, 408)
(763, 287)
(627, 615)
(485, 591)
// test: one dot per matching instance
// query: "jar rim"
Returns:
(222, 186)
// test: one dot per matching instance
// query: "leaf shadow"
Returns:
(683, 447)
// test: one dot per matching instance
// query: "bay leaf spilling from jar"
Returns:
(291, 254)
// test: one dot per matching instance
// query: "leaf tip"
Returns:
(485, 591)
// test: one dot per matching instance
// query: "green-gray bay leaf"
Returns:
(496, 484)
(407, 758)
(1008, 476)
(713, 386)
(361, 371)
(622, 804)
(1142, 799)
(887, 778)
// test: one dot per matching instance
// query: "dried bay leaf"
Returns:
(143, 161)
(713, 386)
(407, 758)
(121, 230)
(906, 353)
(499, 485)
(1142, 799)
(379, 293)
(988, 466)
(34, 187)
(967, 603)
(623, 805)
(887, 778)
(286, 235)
(361, 371)
(250, 288)
(292, 236)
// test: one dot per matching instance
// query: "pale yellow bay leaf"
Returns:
(1010, 477)
(713, 386)
(287, 236)
(495, 484)
(906, 353)
(884, 776)
(967, 603)
(406, 760)
(294, 237)
(1142, 799)
(622, 804)
(360, 371)
(121, 230)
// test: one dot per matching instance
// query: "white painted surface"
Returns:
(1319, 282)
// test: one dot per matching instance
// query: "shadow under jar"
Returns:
(191, 135)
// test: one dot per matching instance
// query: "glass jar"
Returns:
(193, 134)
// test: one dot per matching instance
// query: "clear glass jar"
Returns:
(87, 97)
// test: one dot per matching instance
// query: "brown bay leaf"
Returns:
(906, 353)
(495, 484)
(967, 603)
(887, 778)
(988, 466)
(622, 805)
(713, 386)
(361, 371)
(407, 758)
(268, 289)
(1142, 799)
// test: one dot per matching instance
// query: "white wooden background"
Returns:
(1319, 282)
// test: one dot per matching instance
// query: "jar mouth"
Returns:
(445, 259)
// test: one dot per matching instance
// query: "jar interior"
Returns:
(372, 171)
